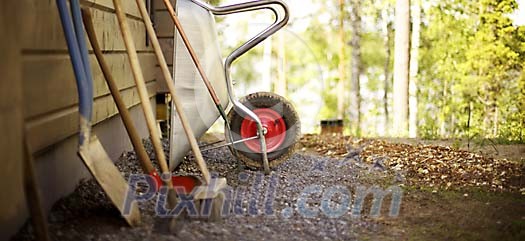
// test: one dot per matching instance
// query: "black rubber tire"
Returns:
(290, 117)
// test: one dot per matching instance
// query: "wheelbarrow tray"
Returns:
(199, 25)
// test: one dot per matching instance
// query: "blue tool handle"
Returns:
(81, 40)
(84, 97)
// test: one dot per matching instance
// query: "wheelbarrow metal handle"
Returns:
(280, 21)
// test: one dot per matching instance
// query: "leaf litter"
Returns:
(430, 166)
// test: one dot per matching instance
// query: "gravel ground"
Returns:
(88, 215)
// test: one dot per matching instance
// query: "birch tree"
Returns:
(401, 67)
(341, 93)
(414, 58)
(355, 94)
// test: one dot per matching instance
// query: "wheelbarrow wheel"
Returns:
(282, 124)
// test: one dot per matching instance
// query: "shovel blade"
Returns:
(108, 177)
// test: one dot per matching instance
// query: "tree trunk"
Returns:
(341, 93)
(443, 115)
(386, 69)
(355, 97)
(414, 65)
(495, 121)
(401, 67)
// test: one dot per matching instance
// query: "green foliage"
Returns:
(471, 61)
(321, 39)
(329, 100)
(214, 2)
(373, 51)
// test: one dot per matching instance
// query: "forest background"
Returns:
(421, 68)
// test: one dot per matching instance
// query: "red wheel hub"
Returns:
(275, 127)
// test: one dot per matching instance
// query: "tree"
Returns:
(355, 90)
(401, 67)
(341, 93)
(497, 59)
(471, 61)
(387, 68)
(414, 67)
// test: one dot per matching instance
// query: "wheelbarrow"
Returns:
(262, 128)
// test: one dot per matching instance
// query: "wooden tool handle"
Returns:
(145, 161)
(141, 87)
(171, 86)
(38, 216)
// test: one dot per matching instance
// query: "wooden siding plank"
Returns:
(49, 82)
(47, 77)
(55, 127)
(129, 6)
(46, 34)
(159, 4)
(166, 45)
(164, 24)
(162, 87)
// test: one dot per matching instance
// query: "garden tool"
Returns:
(90, 149)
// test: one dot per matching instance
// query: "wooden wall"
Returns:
(38, 92)
(12, 202)
(165, 31)
(49, 87)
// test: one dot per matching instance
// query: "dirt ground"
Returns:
(465, 214)
(450, 208)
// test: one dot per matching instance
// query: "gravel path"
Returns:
(88, 215)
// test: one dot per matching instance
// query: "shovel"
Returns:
(90, 149)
